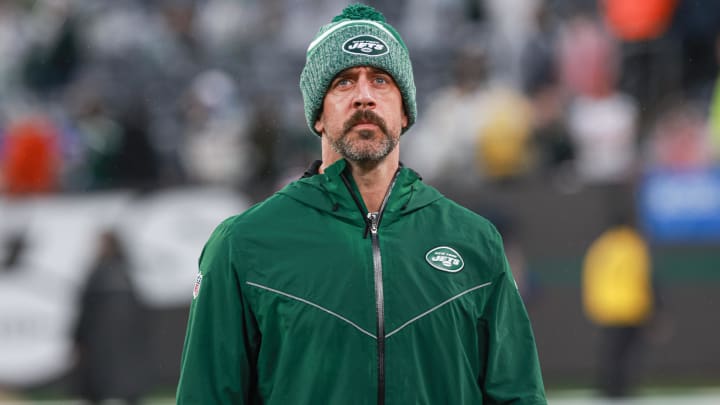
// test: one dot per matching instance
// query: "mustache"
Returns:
(364, 116)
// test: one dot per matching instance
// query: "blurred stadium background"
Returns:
(157, 119)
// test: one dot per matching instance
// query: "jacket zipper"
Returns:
(372, 223)
(373, 219)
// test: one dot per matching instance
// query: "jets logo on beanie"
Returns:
(359, 36)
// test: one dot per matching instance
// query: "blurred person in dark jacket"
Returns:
(109, 332)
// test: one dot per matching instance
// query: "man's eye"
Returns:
(342, 82)
(381, 80)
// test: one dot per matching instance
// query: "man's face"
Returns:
(362, 114)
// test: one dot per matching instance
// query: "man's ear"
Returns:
(404, 121)
(319, 125)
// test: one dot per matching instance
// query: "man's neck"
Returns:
(372, 178)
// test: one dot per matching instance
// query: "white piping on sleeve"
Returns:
(436, 307)
(344, 23)
(312, 304)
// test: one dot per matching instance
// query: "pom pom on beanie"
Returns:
(359, 12)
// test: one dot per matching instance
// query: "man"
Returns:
(358, 284)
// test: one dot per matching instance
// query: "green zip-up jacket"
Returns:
(307, 299)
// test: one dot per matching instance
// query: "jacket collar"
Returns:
(328, 192)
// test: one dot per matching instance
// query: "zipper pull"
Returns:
(373, 222)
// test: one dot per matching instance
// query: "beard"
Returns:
(364, 149)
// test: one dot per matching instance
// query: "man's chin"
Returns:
(367, 153)
(365, 146)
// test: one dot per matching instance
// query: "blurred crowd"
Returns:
(149, 94)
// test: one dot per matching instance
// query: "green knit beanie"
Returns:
(359, 36)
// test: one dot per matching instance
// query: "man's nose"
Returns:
(364, 94)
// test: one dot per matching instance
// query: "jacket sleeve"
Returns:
(222, 338)
(512, 373)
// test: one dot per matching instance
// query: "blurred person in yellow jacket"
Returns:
(618, 296)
